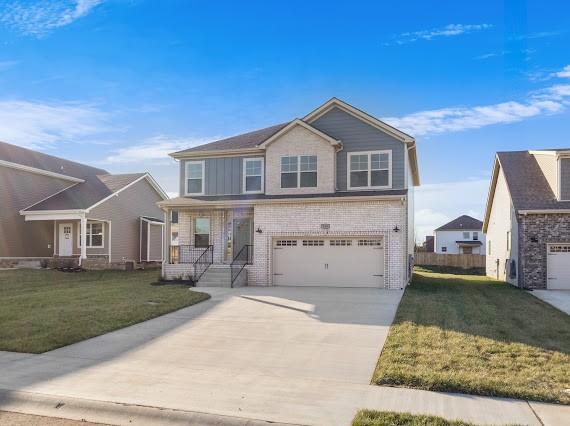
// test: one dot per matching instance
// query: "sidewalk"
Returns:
(470, 408)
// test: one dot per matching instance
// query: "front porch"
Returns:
(75, 237)
(198, 240)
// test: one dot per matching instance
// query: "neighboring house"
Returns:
(527, 219)
(54, 208)
(429, 244)
(463, 235)
(326, 200)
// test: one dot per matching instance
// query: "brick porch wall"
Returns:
(546, 228)
(366, 218)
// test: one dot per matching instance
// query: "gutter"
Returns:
(229, 203)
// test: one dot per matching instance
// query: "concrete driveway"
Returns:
(560, 299)
(294, 355)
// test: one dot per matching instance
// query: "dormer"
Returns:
(555, 165)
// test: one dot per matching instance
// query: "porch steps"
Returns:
(216, 276)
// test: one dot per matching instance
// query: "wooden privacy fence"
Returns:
(465, 261)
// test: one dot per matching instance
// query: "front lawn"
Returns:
(41, 310)
(475, 335)
(387, 418)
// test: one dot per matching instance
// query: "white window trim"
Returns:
(299, 170)
(89, 222)
(369, 154)
(203, 164)
(244, 166)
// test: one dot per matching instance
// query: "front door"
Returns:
(242, 234)
(65, 239)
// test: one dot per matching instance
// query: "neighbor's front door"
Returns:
(242, 234)
(65, 239)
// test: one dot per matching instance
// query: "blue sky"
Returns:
(120, 83)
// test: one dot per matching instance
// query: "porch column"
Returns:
(83, 231)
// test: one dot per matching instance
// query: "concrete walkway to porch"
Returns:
(286, 355)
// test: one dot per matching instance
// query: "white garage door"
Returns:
(558, 267)
(330, 262)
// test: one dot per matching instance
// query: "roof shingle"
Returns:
(462, 222)
(527, 184)
(243, 141)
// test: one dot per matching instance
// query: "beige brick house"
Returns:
(326, 200)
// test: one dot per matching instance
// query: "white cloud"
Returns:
(40, 124)
(153, 150)
(438, 203)
(565, 73)
(37, 18)
(549, 100)
(446, 31)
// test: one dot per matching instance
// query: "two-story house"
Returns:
(326, 200)
(462, 235)
(527, 219)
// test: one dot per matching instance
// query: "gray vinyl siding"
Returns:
(565, 178)
(357, 135)
(224, 175)
(124, 211)
(155, 242)
(18, 190)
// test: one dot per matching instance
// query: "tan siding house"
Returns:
(74, 214)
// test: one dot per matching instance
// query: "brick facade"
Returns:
(300, 141)
(346, 218)
(362, 218)
(536, 231)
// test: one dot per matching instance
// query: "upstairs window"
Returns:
(466, 235)
(195, 177)
(299, 171)
(475, 236)
(308, 171)
(370, 170)
(289, 171)
(253, 175)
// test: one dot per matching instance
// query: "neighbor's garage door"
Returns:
(338, 262)
(558, 267)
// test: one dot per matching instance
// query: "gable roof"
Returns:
(463, 222)
(358, 113)
(90, 185)
(301, 123)
(84, 195)
(528, 188)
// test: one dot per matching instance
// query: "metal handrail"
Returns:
(240, 260)
(185, 253)
(203, 262)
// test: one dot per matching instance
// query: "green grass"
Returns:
(41, 310)
(474, 335)
(386, 418)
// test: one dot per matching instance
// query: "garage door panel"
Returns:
(558, 267)
(331, 262)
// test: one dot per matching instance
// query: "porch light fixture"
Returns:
(258, 230)
(396, 229)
